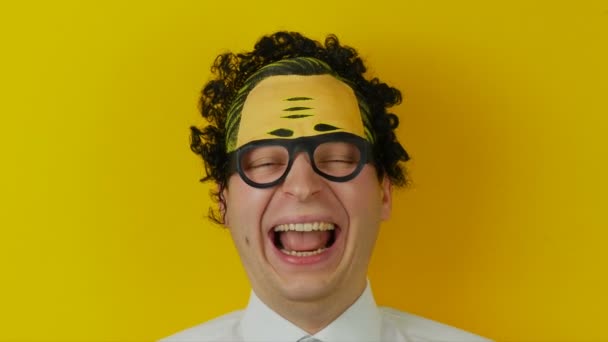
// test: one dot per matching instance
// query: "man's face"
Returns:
(308, 238)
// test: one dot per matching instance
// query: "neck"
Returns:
(314, 315)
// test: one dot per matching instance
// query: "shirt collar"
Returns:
(360, 322)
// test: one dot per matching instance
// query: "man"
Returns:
(304, 154)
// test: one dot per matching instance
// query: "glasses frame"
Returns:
(303, 144)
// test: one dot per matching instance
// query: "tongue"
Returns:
(304, 241)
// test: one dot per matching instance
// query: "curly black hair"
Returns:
(232, 70)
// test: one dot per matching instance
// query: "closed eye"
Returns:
(264, 164)
(338, 160)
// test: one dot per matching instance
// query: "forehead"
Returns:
(292, 106)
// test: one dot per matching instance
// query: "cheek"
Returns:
(245, 207)
(362, 197)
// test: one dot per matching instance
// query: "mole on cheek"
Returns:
(247, 240)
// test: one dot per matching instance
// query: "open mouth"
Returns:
(304, 239)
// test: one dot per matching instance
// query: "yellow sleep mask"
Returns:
(293, 106)
(280, 103)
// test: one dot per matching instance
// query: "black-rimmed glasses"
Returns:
(338, 157)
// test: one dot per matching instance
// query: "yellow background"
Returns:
(103, 228)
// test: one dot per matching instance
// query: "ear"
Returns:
(386, 195)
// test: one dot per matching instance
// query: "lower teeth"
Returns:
(303, 254)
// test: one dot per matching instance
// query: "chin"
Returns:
(305, 289)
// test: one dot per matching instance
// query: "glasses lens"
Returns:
(338, 158)
(264, 164)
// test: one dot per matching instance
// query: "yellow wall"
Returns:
(104, 235)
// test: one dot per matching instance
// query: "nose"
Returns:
(302, 181)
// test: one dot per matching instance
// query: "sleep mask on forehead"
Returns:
(293, 98)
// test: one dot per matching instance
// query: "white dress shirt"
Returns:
(361, 322)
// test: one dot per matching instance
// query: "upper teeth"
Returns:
(304, 227)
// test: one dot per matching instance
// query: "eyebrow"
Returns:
(281, 132)
(325, 128)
